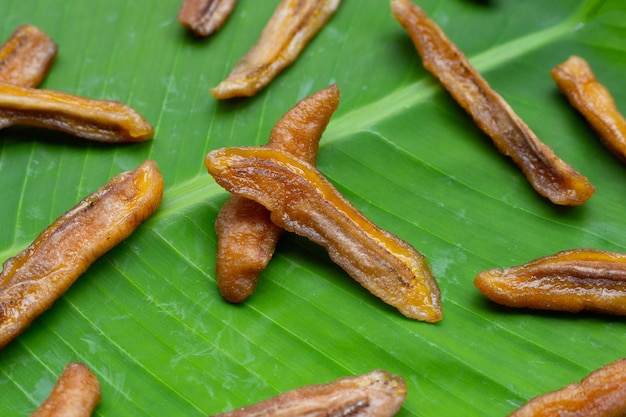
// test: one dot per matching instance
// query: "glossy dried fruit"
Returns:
(300, 129)
(76, 394)
(601, 394)
(26, 57)
(547, 173)
(203, 17)
(246, 235)
(301, 200)
(573, 280)
(289, 30)
(35, 278)
(594, 101)
(100, 120)
(375, 394)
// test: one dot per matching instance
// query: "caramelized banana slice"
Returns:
(100, 120)
(594, 101)
(203, 17)
(602, 393)
(573, 281)
(303, 201)
(26, 57)
(35, 278)
(291, 27)
(376, 394)
(76, 394)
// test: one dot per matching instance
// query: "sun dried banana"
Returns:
(35, 278)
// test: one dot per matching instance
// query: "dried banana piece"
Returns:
(99, 120)
(573, 280)
(203, 17)
(375, 394)
(76, 394)
(35, 278)
(594, 101)
(26, 57)
(600, 394)
(291, 27)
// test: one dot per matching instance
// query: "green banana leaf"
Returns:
(148, 318)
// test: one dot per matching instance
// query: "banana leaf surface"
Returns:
(148, 318)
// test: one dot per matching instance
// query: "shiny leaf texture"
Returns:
(148, 318)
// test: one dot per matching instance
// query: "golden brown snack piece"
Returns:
(35, 278)
(246, 235)
(576, 80)
(573, 281)
(303, 201)
(99, 120)
(300, 129)
(203, 17)
(76, 394)
(601, 394)
(246, 240)
(550, 176)
(375, 394)
(291, 27)
(26, 57)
